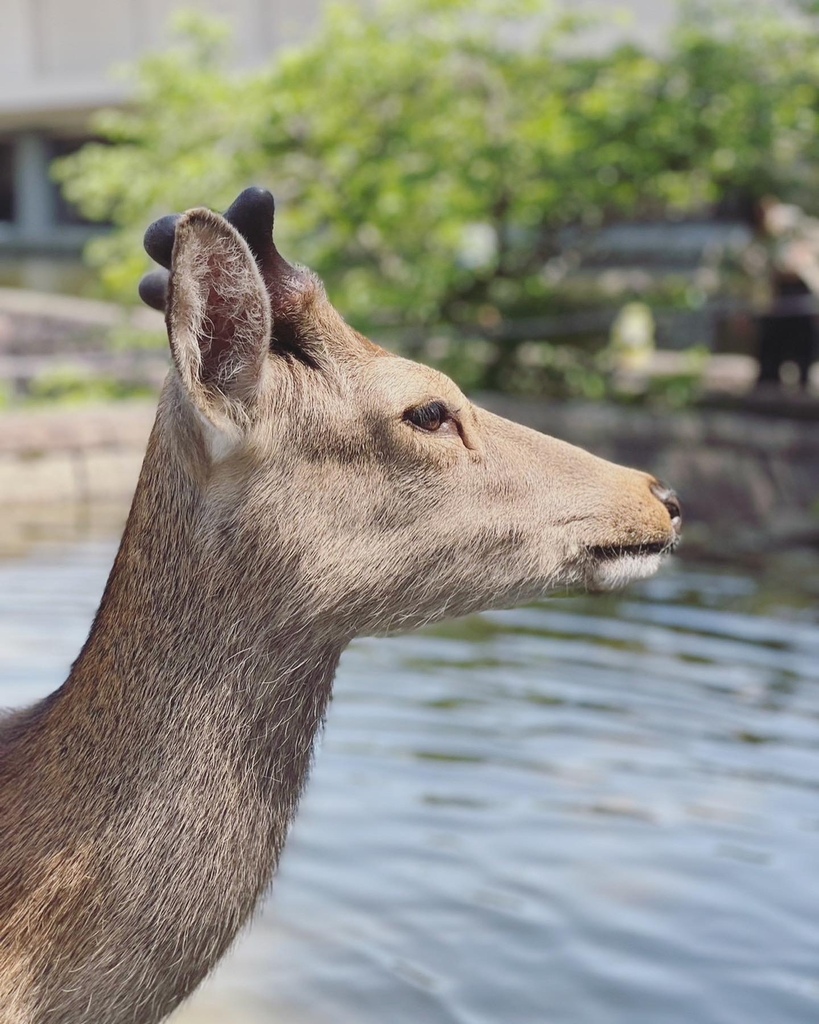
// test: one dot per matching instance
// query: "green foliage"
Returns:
(747, 80)
(71, 387)
(427, 155)
(190, 132)
(125, 337)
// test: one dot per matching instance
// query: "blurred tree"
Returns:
(744, 75)
(189, 132)
(431, 153)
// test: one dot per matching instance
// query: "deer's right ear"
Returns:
(218, 316)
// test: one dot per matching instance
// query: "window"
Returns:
(64, 212)
(6, 180)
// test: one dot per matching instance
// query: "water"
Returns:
(594, 810)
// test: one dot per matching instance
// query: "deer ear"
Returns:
(218, 315)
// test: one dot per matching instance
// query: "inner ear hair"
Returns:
(218, 311)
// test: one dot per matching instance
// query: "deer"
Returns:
(301, 487)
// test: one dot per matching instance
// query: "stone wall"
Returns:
(80, 455)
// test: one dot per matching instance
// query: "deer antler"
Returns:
(289, 289)
(252, 214)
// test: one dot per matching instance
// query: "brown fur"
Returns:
(285, 506)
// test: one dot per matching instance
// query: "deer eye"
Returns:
(430, 417)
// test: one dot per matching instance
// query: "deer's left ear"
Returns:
(218, 315)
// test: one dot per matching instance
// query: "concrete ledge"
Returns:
(77, 455)
(82, 313)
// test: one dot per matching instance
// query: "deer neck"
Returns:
(164, 774)
(190, 637)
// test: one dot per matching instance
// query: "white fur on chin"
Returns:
(613, 573)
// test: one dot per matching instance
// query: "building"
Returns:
(57, 64)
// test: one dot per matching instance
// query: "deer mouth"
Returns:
(613, 566)
(608, 553)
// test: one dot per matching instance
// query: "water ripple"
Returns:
(592, 810)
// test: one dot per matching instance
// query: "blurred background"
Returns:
(603, 220)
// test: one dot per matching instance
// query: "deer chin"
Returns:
(610, 568)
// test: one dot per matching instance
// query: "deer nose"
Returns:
(672, 504)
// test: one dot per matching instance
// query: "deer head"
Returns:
(397, 500)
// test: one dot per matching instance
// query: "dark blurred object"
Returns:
(787, 329)
(787, 332)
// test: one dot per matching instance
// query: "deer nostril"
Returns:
(672, 504)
